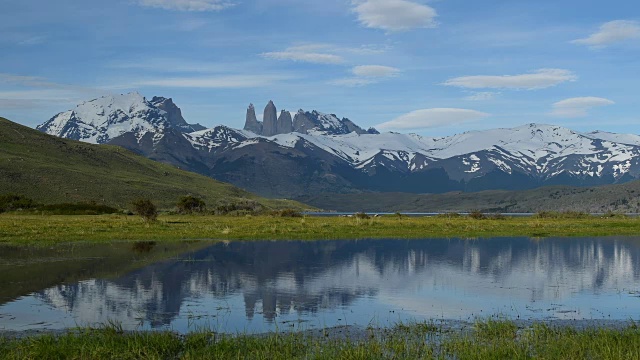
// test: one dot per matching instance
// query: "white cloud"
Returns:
(538, 79)
(482, 96)
(366, 75)
(612, 32)
(375, 71)
(188, 5)
(394, 15)
(352, 82)
(578, 107)
(311, 57)
(429, 118)
(216, 82)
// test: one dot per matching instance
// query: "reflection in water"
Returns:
(260, 286)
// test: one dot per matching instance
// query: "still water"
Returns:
(282, 285)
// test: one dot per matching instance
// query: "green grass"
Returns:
(495, 340)
(52, 170)
(48, 229)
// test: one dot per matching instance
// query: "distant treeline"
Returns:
(144, 207)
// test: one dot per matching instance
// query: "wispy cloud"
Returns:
(394, 15)
(366, 74)
(352, 82)
(538, 79)
(482, 96)
(188, 5)
(578, 106)
(216, 82)
(316, 58)
(430, 118)
(612, 32)
(375, 71)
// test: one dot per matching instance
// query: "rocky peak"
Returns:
(270, 120)
(174, 114)
(285, 123)
(251, 122)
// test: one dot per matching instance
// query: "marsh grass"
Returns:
(495, 339)
(48, 229)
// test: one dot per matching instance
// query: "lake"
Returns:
(262, 286)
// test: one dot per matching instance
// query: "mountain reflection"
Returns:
(305, 278)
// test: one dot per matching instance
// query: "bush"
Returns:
(361, 215)
(146, 209)
(78, 209)
(476, 214)
(451, 215)
(562, 215)
(190, 204)
(242, 207)
(12, 202)
(287, 213)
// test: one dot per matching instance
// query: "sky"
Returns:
(435, 67)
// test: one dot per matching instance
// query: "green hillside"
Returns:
(54, 170)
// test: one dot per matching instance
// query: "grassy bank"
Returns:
(46, 229)
(487, 340)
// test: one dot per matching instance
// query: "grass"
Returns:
(488, 340)
(49, 229)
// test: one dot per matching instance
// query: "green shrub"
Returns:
(476, 214)
(562, 215)
(190, 204)
(239, 207)
(450, 215)
(12, 202)
(287, 213)
(78, 209)
(361, 215)
(146, 209)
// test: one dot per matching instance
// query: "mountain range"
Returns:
(310, 152)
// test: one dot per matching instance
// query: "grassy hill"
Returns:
(615, 198)
(54, 170)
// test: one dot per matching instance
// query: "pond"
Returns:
(254, 287)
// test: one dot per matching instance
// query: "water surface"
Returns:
(281, 285)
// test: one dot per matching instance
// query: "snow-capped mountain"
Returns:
(101, 120)
(316, 152)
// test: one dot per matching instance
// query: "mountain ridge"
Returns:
(319, 152)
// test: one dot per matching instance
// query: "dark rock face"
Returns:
(270, 120)
(251, 123)
(285, 124)
(301, 123)
(174, 114)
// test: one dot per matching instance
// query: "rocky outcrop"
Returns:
(251, 123)
(285, 124)
(174, 114)
(270, 120)
(301, 123)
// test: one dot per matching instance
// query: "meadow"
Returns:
(49, 229)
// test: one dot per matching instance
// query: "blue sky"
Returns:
(432, 67)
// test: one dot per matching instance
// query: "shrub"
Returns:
(146, 209)
(78, 209)
(562, 215)
(476, 214)
(450, 215)
(497, 216)
(190, 204)
(287, 213)
(241, 207)
(361, 215)
(11, 202)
